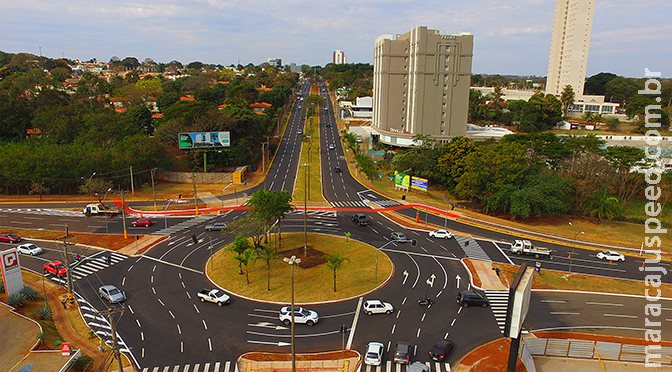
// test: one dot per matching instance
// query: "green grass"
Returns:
(635, 209)
(311, 285)
(31, 309)
(315, 169)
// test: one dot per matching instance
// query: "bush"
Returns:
(83, 363)
(2, 286)
(29, 293)
(44, 313)
(16, 300)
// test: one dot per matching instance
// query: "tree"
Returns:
(567, 99)
(541, 113)
(248, 226)
(267, 254)
(347, 236)
(452, 157)
(603, 206)
(97, 187)
(595, 85)
(624, 159)
(622, 89)
(239, 246)
(244, 258)
(334, 262)
(476, 102)
(366, 165)
(37, 187)
(270, 205)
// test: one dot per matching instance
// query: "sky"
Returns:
(510, 37)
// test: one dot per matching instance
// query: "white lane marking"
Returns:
(205, 325)
(123, 281)
(621, 316)
(209, 344)
(138, 322)
(179, 330)
(503, 254)
(171, 314)
(354, 323)
(417, 267)
(563, 313)
(603, 303)
(394, 326)
(554, 301)
(196, 309)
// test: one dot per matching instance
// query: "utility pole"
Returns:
(151, 174)
(292, 261)
(132, 188)
(66, 258)
(193, 181)
(123, 213)
(113, 328)
(205, 161)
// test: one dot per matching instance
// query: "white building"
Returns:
(338, 57)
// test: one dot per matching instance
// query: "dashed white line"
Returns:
(179, 330)
(603, 303)
(161, 302)
(142, 336)
(210, 344)
(171, 314)
(205, 325)
(153, 290)
(138, 322)
(394, 326)
(453, 322)
(196, 309)
(417, 335)
(621, 316)
(563, 313)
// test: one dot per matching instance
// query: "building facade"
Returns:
(421, 85)
(570, 42)
(338, 57)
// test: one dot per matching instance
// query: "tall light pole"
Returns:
(107, 231)
(123, 213)
(151, 174)
(292, 261)
(305, 210)
(571, 256)
(165, 214)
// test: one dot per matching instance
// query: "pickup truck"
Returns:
(100, 209)
(526, 247)
(214, 295)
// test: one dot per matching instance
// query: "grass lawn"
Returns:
(311, 284)
(110, 241)
(635, 209)
(315, 170)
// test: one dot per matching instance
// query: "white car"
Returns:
(377, 307)
(374, 354)
(610, 256)
(332, 147)
(441, 234)
(29, 249)
(301, 316)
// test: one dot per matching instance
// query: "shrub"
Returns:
(29, 293)
(16, 300)
(44, 313)
(2, 286)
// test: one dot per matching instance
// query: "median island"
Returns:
(247, 274)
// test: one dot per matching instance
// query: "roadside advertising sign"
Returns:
(200, 140)
(11, 271)
(418, 183)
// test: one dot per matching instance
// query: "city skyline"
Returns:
(625, 40)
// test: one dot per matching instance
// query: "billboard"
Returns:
(401, 181)
(199, 140)
(418, 183)
(11, 271)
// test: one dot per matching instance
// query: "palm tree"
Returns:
(603, 206)
(347, 236)
(334, 262)
(267, 254)
(240, 245)
(244, 259)
(567, 99)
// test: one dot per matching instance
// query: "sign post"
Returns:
(11, 271)
(65, 349)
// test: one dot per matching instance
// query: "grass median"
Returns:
(310, 154)
(314, 284)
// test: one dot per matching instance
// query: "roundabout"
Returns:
(313, 278)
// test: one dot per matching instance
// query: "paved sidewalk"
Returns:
(488, 277)
(553, 364)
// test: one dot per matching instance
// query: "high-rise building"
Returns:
(421, 85)
(275, 62)
(572, 26)
(338, 58)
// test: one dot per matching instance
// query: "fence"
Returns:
(587, 349)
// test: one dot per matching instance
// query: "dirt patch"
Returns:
(110, 241)
(491, 357)
(310, 257)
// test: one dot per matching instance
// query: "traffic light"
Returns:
(414, 242)
(194, 239)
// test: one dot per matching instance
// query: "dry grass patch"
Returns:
(109, 241)
(311, 284)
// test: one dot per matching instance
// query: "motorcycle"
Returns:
(425, 301)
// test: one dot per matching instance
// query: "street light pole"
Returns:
(292, 261)
(165, 214)
(151, 173)
(305, 210)
(571, 256)
(107, 230)
(123, 213)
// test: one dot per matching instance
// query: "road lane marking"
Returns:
(563, 313)
(205, 325)
(394, 326)
(123, 281)
(179, 330)
(354, 323)
(210, 344)
(453, 322)
(504, 254)
(621, 316)
(138, 322)
(171, 314)
(142, 336)
(153, 290)
(161, 302)
(417, 335)
(554, 301)
(603, 303)
(337, 315)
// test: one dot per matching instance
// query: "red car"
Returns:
(9, 238)
(55, 268)
(141, 222)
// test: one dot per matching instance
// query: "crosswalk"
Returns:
(314, 213)
(499, 301)
(227, 366)
(50, 212)
(99, 325)
(472, 249)
(385, 203)
(349, 204)
(394, 367)
(90, 265)
(183, 225)
(321, 221)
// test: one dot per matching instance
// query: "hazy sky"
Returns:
(511, 37)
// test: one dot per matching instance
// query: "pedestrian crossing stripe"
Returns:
(227, 366)
(49, 212)
(499, 301)
(394, 367)
(314, 213)
(98, 324)
(349, 204)
(89, 266)
(472, 249)
(183, 225)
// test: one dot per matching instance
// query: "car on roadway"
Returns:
(440, 350)
(332, 147)
(417, 367)
(111, 294)
(215, 226)
(610, 256)
(215, 296)
(29, 249)
(402, 353)
(360, 219)
(301, 316)
(142, 222)
(374, 354)
(401, 237)
(441, 234)
(470, 298)
(300, 132)
(55, 268)
(377, 307)
(337, 169)
(9, 238)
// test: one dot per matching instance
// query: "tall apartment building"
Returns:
(421, 85)
(338, 58)
(572, 26)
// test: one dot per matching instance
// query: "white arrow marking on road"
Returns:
(269, 343)
(405, 277)
(430, 281)
(268, 325)
(457, 277)
(171, 243)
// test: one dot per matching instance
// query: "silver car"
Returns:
(217, 226)
(112, 294)
(30, 249)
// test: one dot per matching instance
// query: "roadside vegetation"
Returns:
(310, 154)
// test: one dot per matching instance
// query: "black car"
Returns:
(440, 350)
(402, 355)
(471, 298)
(360, 219)
(337, 169)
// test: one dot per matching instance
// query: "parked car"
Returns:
(417, 367)
(301, 316)
(471, 298)
(55, 268)
(440, 350)
(441, 234)
(29, 249)
(360, 219)
(402, 353)
(142, 222)
(9, 238)
(377, 307)
(374, 354)
(215, 226)
(112, 294)
(399, 236)
(610, 256)
(215, 296)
